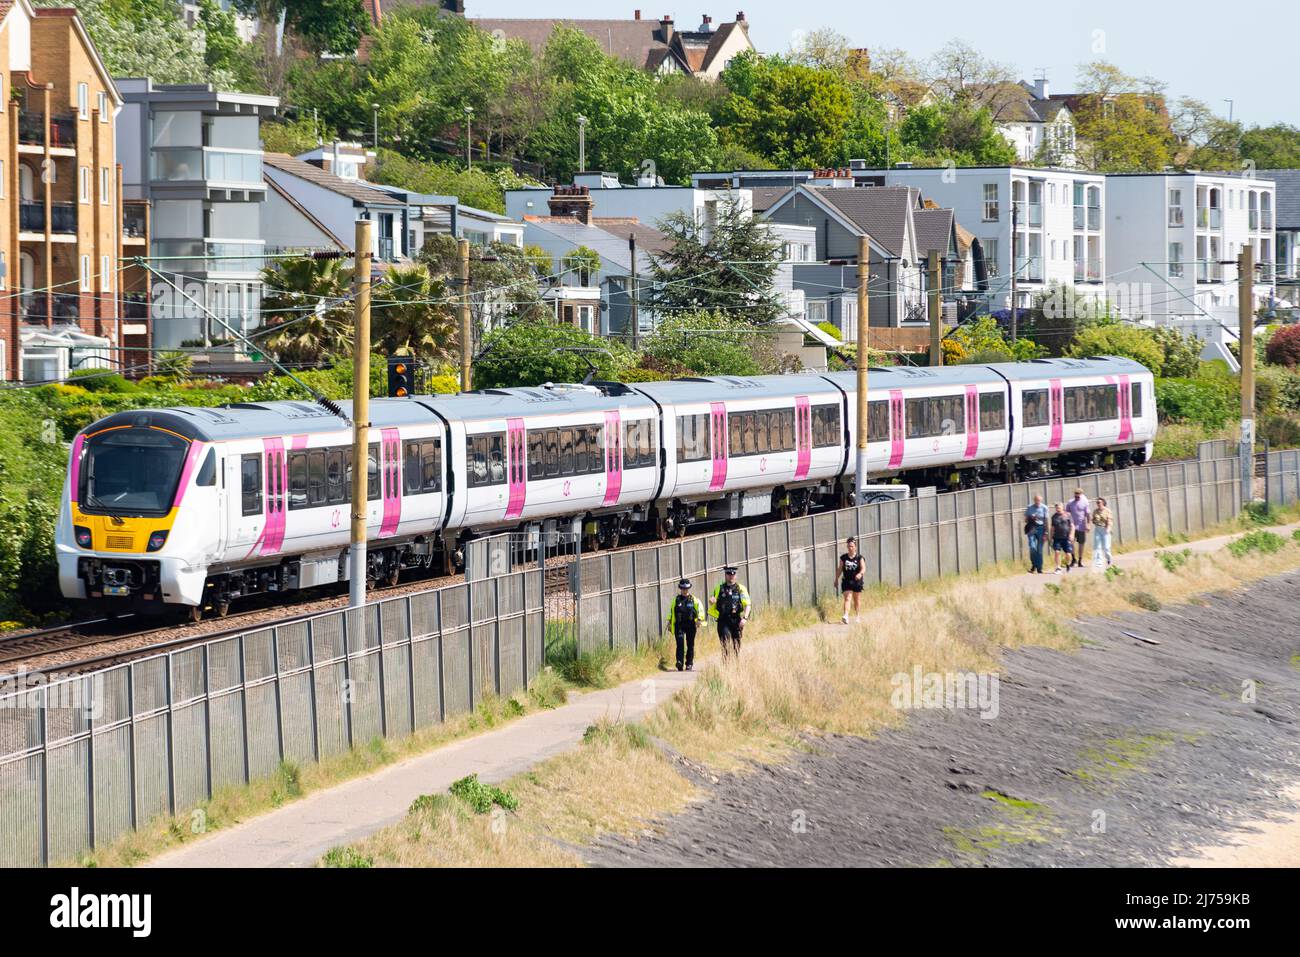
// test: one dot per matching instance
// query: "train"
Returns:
(199, 507)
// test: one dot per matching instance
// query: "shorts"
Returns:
(1080, 535)
(851, 584)
(1062, 545)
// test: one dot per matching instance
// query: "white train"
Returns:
(199, 506)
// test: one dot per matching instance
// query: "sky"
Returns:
(1210, 51)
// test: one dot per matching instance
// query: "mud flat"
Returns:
(1124, 752)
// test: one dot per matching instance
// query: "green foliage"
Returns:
(1259, 540)
(1172, 561)
(1144, 600)
(958, 131)
(1060, 313)
(1120, 126)
(298, 136)
(531, 353)
(731, 271)
(480, 797)
(1280, 431)
(412, 315)
(306, 304)
(984, 342)
(1119, 339)
(478, 187)
(1182, 354)
(1272, 147)
(1193, 400)
(324, 26)
(346, 856)
(710, 343)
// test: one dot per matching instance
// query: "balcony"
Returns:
(134, 221)
(40, 307)
(1030, 268)
(1094, 217)
(63, 130)
(1254, 219)
(1079, 217)
(198, 256)
(1035, 214)
(63, 217)
(192, 164)
(1209, 217)
(1209, 271)
(386, 248)
(135, 307)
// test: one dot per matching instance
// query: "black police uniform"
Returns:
(683, 617)
(729, 605)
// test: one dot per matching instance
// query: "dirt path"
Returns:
(1123, 753)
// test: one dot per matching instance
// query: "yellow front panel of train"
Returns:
(121, 534)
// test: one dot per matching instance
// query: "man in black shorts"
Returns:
(729, 606)
(850, 576)
(683, 615)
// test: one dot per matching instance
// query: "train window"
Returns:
(536, 455)
(552, 452)
(1035, 411)
(566, 451)
(581, 463)
(497, 458)
(787, 430)
(316, 494)
(431, 464)
(1091, 403)
(878, 421)
(334, 478)
(250, 483)
(935, 415)
(993, 416)
(1136, 400)
(647, 444)
(411, 479)
(297, 480)
(208, 470)
(693, 437)
(762, 429)
(372, 472)
(826, 426)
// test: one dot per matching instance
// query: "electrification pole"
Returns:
(1246, 314)
(936, 309)
(466, 333)
(360, 417)
(1015, 309)
(864, 323)
(632, 290)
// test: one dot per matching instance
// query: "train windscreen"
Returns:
(131, 471)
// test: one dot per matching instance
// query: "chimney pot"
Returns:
(740, 16)
(636, 14)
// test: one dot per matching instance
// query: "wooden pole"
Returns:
(360, 416)
(936, 309)
(864, 324)
(466, 333)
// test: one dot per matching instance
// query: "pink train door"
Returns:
(1125, 409)
(277, 480)
(972, 422)
(516, 467)
(613, 457)
(390, 452)
(718, 440)
(896, 433)
(1056, 403)
(802, 436)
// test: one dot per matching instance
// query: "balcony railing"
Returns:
(42, 307)
(63, 217)
(386, 248)
(1208, 217)
(1266, 218)
(191, 164)
(1035, 214)
(1030, 267)
(1094, 217)
(1254, 219)
(134, 222)
(1209, 271)
(63, 129)
(135, 306)
(1078, 217)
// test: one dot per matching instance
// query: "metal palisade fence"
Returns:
(87, 758)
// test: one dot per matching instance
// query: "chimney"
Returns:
(740, 16)
(706, 23)
(572, 201)
(636, 14)
(666, 27)
(1041, 88)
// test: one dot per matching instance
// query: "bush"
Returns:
(99, 380)
(531, 353)
(1193, 400)
(1119, 339)
(1257, 541)
(1280, 431)
(1283, 347)
(1182, 353)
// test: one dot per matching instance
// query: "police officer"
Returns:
(683, 615)
(729, 606)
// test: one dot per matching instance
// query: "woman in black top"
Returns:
(851, 569)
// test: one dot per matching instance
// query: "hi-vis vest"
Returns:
(685, 610)
(729, 601)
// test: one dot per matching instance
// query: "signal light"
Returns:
(83, 536)
(157, 540)
(401, 377)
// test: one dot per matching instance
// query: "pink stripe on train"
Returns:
(195, 449)
(802, 433)
(972, 422)
(613, 457)
(1056, 413)
(390, 481)
(895, 428)
(719, 444)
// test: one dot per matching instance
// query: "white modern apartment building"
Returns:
(1059, 218)
(1181, 233)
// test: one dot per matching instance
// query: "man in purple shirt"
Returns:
(1080, 511)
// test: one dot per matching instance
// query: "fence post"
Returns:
(378, 611)
(207, 717)
(90, 767)
(311, 661)
(279, 710)
(442, 675)
(243, 699)
(131, 759)
(348, 617)
(410, 662)
(171, 737)
(45, 776)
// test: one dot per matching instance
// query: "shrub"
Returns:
(1119, 339)
(1280, 431)
(1144, 600)
(1200, 401)
(1283, 347)
(1257, 541)
(480, 796)
(1182, 353)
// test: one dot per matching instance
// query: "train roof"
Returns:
(706, 388)
(1066, 368)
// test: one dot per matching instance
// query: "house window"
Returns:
(1176, 260)
(104, 185)
(4, 277)
(990, 202)
(990, 255)
(85, 274)
(105, 273)
(83, 100)
(1175, 207)
(85, 184)
(103, 107)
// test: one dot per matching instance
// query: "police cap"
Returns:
(729, 570)
(684, 583)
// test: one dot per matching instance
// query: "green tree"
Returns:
(306, 302)
(706, 342)
(958, 131)
(1121, 122)
(1182, 353)
(325, 26)
(220, 36)
(726, 266)
(1272, 147)
(413, 314)
(531, 353)
(984, 342)
(1119, 339)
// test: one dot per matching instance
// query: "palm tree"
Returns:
(413, 314)
(311, 299)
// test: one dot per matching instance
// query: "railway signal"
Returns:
(401, 377)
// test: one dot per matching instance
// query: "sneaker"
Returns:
(1059, 571)
(844, 619)
(690, 667)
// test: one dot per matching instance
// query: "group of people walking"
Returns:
(1068, 526)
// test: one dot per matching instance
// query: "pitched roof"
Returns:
(1287, 181)
(306, 214)
(607, 237)
(336, 184)
(764, 197)
(648, 239)
(933, 230)
(882, 212)
(1016, 102)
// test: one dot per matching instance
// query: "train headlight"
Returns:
(157, 540)
(83, 535)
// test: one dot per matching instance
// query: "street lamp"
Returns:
(375, 135)
(469, 119)
(582, 144)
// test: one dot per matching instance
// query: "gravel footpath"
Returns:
(1121, 753)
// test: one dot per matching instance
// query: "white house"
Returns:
(1039, 125)
(1060, 219)
(1179, 233)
